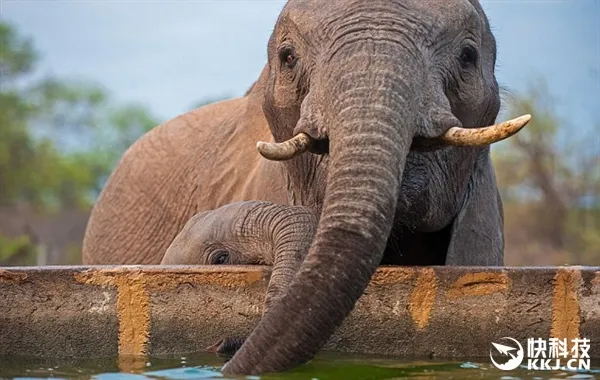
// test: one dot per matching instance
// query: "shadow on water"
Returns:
(326, 366)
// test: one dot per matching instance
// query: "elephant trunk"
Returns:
(370, 131)
(290, 230)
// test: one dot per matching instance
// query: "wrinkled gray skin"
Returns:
(246, 233)
(370, 78)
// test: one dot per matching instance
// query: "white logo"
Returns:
(544, 354)
(514, 361)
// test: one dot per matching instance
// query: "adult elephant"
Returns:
(386, 97)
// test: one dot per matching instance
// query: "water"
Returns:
(326, 366)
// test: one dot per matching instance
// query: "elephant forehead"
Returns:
(302, 12)
(304, 16)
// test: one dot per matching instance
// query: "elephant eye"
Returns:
(219, 257)
(288, 57)
(468, 57)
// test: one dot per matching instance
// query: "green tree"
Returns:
(17, 148)
(550, 186)
(17, 55)
(59, 140)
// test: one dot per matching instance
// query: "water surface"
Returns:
(326, 366)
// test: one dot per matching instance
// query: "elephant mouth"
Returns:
(319, 146)
(419, 144)
(455, 136)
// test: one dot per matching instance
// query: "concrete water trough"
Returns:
(425, 311)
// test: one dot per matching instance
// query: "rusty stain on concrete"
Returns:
(391, 275)
(171, 278)
(479, 284)
(133, 308)
(11, 277)
(565, 304)
(134, 283)
(164, 281)
(422, 298)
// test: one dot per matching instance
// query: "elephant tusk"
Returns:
(285, 150)
(485, 135)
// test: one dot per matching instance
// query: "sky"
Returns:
(169, 55)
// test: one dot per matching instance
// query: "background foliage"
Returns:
(60, 139)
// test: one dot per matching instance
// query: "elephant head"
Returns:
(246, 233)
(243, 233)
(389, 101)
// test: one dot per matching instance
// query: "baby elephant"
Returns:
(247, 232)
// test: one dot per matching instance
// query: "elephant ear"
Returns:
(477, 237)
